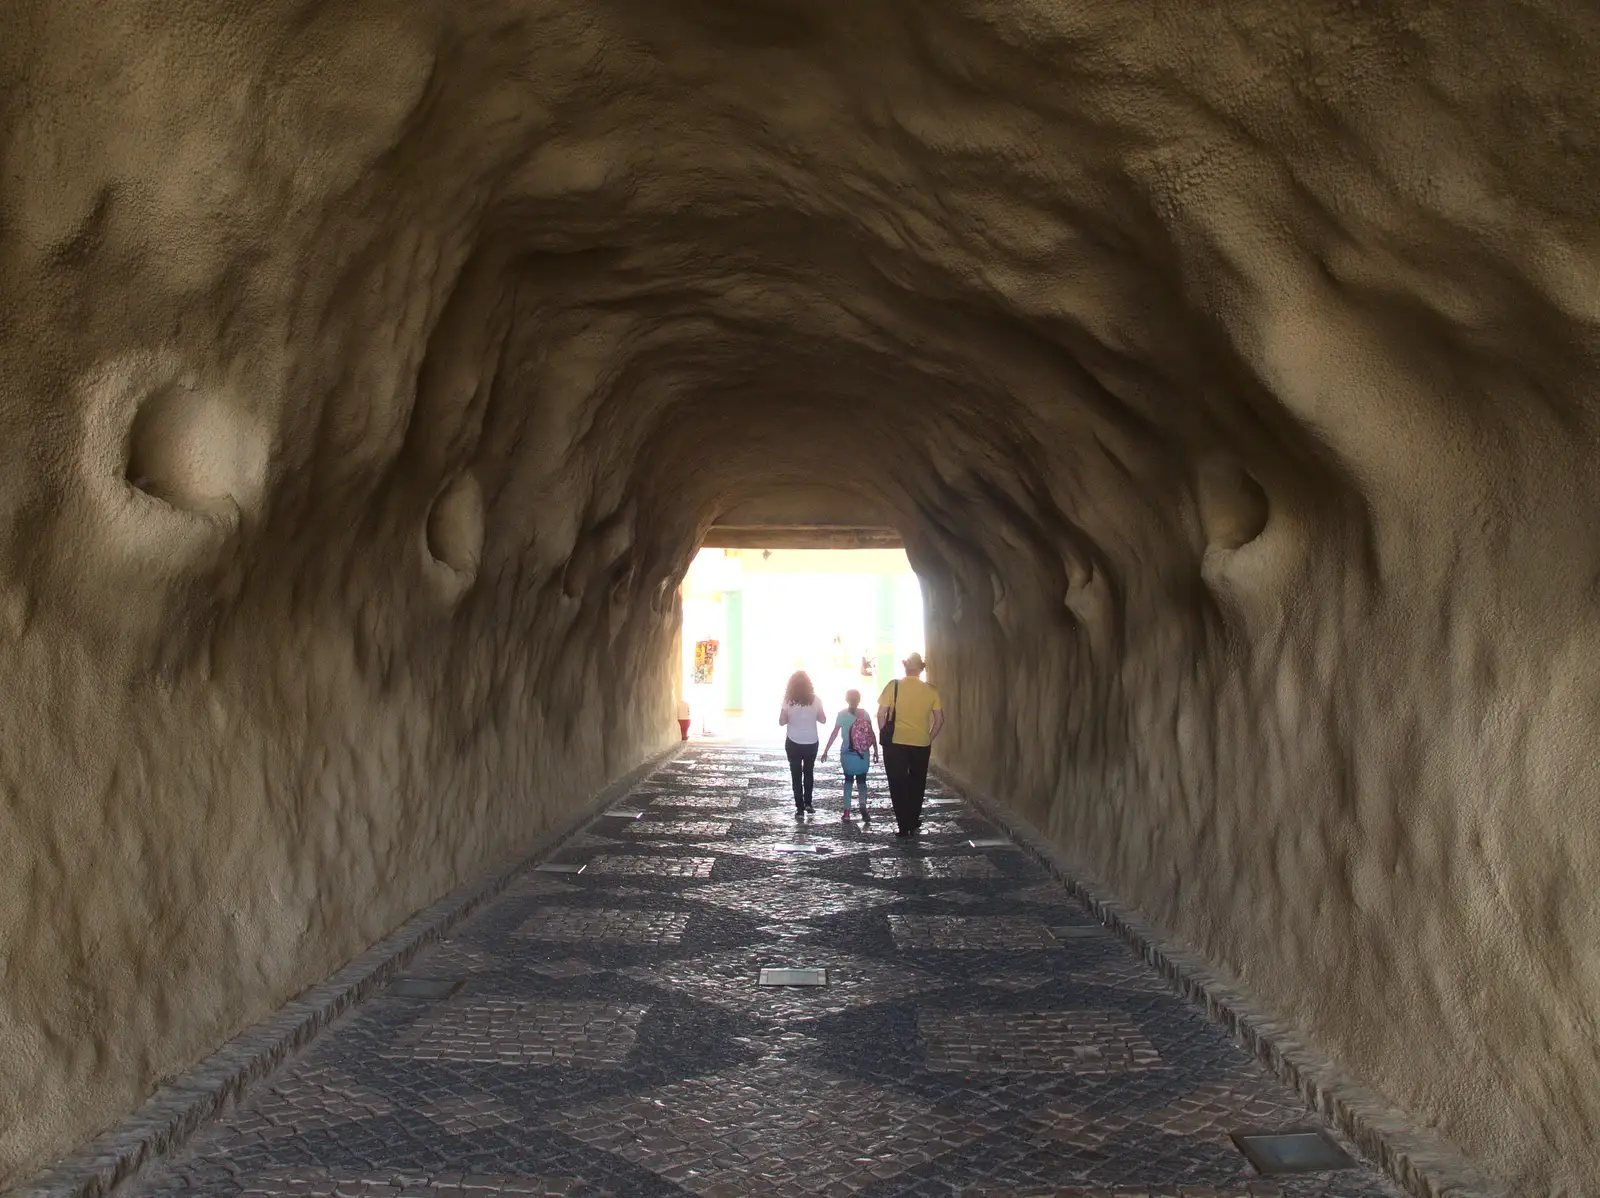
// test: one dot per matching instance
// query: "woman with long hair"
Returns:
(802, 714)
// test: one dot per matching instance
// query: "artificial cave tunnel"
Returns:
(372, 372)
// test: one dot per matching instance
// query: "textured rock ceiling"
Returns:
(369, 372)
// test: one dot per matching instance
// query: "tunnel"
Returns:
(370, 374)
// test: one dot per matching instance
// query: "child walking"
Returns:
(859, 741)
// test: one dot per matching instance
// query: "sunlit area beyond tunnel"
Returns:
(752, 617)
(718, 597)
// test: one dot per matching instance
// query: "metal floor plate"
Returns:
(1076, 931)
(1301, 1150)
(794, 977)
(427, 989)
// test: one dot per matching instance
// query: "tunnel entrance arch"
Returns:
(790, 583)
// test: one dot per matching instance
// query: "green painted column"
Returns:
(884, 651)
(733, 613)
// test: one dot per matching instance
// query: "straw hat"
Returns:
(914, 664)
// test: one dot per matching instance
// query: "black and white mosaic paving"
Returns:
(978, 1034)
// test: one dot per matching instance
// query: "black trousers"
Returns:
(906, 768)
(802, 770)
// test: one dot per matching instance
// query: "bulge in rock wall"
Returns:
(187, 450)
(454, 533)
(173, 466)
(1233, 505)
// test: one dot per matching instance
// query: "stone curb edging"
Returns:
(1421, 1163)
(165, 1120)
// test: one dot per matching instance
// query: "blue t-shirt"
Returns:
(853, 762)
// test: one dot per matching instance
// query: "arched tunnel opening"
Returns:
(371, 373)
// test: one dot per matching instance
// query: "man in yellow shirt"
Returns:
(918, 716)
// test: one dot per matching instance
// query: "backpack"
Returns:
(861, 740)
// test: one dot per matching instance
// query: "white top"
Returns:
(803, 722)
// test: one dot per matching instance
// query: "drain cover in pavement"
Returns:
(624, 813)
(794, 977)
(430, 989)
(561, 867)
(991, 842)
(566, 969)
(1303, 1150)
(1076, 932)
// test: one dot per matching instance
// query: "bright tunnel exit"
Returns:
(751, 617)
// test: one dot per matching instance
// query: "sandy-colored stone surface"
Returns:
(368, 373)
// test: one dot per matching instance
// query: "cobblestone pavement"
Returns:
(978, 1034)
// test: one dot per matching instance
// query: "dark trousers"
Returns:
(906, 768)
(802, 771)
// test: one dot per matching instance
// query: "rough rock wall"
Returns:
(368, 372)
